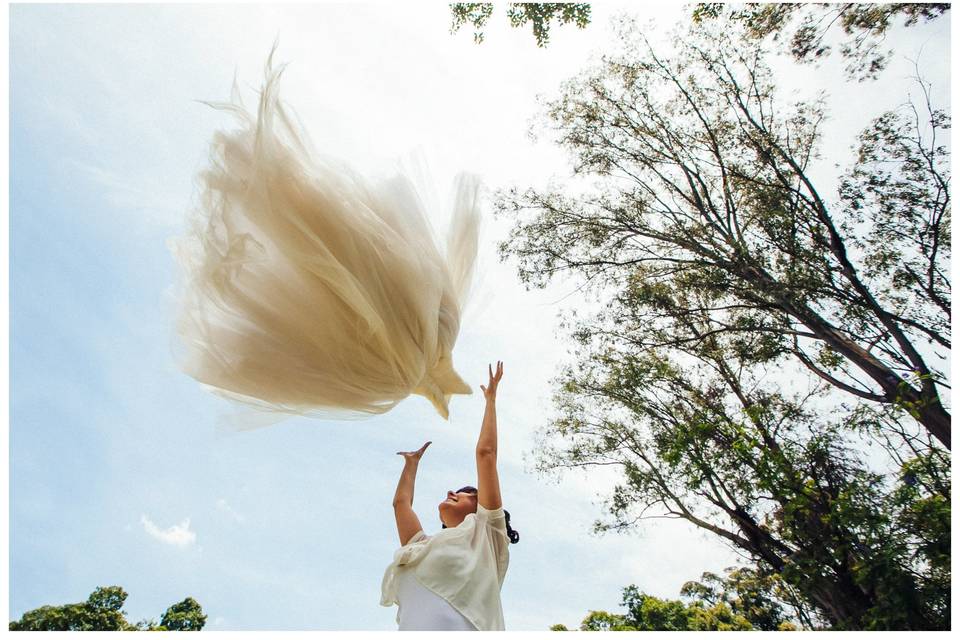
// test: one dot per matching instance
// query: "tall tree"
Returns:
(710, 190)
(728, 276)
(538, 14)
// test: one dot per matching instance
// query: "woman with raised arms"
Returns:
(451, 580)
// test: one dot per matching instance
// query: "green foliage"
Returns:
(184, 616)
(105, 599)
(649, 613)
(475, 13)
(761, 598)
(899, 191)
(603, 621)
(539, 15)
(807, 27)
(719, 617)
(103, 612)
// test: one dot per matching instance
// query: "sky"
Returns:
(118, 473)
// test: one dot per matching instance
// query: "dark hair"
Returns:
(513, 535)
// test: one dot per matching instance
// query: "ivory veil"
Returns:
(311, 288)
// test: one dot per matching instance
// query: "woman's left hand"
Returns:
(490, 390)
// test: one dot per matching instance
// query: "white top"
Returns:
(463, 565)
(423, 610)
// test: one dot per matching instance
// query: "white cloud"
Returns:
(178, 535)
(223, 506)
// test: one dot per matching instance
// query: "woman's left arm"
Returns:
(488, 482)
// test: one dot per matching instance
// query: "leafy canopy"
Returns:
(102, 611)
(539, 15)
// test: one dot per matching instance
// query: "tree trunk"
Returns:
(924, 406)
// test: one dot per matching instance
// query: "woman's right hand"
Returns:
(414, 456)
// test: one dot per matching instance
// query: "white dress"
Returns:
(309, 288)
(422, 610)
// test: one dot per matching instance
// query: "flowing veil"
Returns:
(309, 288)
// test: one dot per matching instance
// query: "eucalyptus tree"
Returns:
(741, 304)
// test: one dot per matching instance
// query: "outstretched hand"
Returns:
(490, 390)
(414, 456)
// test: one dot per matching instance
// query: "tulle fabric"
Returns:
(309, 288)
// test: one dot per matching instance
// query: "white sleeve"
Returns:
(495, 518)
(495, 524)
(407, 552)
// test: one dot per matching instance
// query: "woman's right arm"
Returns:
(408, 524)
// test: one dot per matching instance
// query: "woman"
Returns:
(451, 581)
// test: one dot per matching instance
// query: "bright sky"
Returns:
(117, 475)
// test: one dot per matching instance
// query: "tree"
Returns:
(539, 15)
(103, 612)
(649, 613)
(806, 26)
(729, 282)
(603, 621)
(711, 191)
(719, 617)
(760, 597)
(184, 616)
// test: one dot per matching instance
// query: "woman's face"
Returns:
(457, 506)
